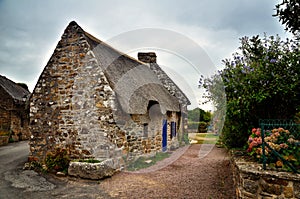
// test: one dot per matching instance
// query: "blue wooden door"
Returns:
(164, 135)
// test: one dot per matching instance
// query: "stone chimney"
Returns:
(149, 57)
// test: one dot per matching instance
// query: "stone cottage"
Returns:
(97, 102)
(14, 117)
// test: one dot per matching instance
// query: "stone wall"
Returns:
(19, 125)
(6, 100)
(136, 142)
(14, 119)
(71, 104)
(4, 120)
(3, 140)
(6, 103)
(253, 182)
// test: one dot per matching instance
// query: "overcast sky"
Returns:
(190, 37)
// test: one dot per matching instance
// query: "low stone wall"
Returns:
(251, 181)
(4, 140)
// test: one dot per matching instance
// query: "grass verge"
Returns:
(203, 138)
(143, 162)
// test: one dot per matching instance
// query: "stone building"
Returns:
(14, 117)
(97, 102)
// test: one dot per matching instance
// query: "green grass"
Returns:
(141, 164)
(204, 138)
(207, 135)
(206, 141)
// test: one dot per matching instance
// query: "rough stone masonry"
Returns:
(76, 106)
(70, 76)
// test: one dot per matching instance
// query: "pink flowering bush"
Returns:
(280, 140)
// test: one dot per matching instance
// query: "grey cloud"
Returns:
(31, 29)
(244, 16)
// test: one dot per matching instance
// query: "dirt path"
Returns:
(187, 177)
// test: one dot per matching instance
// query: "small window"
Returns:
(145, 130)
(22, 121)
(173, 129)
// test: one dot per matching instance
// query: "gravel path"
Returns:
(196, 171)
(192, 175)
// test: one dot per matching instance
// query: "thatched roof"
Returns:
(134, 82)
(14, 90)
(168, 81)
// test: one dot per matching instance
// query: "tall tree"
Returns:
(288, 12)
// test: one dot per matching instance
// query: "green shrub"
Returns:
(200, 127)
(58, 160)
(261, 81)
(186, 138)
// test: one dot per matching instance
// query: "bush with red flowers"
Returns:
(281, 140)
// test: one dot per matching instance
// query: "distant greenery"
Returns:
(199, 115)
(201, 127)
(199, 119)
